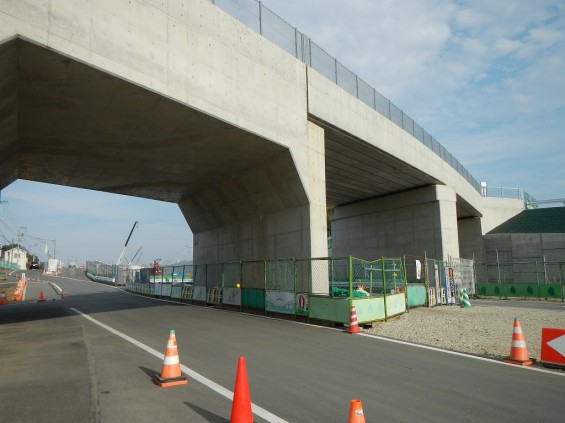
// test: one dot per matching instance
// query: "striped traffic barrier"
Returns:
(465, 303)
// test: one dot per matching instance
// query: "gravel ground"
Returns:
(479, 330)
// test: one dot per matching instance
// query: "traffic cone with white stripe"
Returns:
(170, 372)
(353, 325)
(356, 414)
(518, 351)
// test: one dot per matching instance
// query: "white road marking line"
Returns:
(490, 360)
(369, 335)
(259, 411)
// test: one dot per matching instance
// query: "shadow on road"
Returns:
(211, 417)
(108, 299)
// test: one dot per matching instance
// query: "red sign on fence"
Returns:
(553, 346)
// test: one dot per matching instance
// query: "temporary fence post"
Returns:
(350, 282)
(537, 278)
(384, 286)
(295, 277)
(487, 280)
(310, 261)
(474, 276)
(241, 286)
(544, 271)
(265, 288)
(561, 275)
(332, 276)
(403, 272)
(370, 280)
(404, 282)
(498, 266)
(206, 281)
(504, 285)
(426, 277)
(222, 274)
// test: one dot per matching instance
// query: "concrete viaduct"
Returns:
(179, 102)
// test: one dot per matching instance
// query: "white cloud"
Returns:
(484, 77)
(504, 46)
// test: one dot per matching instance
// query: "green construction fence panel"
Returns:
(520, 290)
(416, 294)
(253, 298)
(550, 290)
(329, 309)
(369, 309)
(524, 290)
(176, 292)
(395, 304)
(280, 301)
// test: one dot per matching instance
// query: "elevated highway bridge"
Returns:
(181, 102)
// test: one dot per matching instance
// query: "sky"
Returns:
(485, 78)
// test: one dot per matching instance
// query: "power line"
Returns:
(19, 233)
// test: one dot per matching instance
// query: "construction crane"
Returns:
(119, 262)
(138, 251)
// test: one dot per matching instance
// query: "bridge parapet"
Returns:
(267, 23)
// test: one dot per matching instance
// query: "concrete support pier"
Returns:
(411, 223)
(272, 210)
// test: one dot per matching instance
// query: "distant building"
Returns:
(16, 256)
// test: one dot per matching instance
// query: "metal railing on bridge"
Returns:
(267, 23)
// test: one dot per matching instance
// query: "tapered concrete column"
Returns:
(470, 238)
(417, 222)
(495, 211)
(273, 210)
(316, 181)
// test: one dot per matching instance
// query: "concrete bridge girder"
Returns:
(179, 102)
(64, 122)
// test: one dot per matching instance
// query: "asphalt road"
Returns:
(57, 365)
(534, 304)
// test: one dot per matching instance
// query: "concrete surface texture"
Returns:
(179, 102)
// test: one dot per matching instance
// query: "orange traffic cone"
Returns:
(241, 405)
(518, 351)
(41, 298)
(170, 372)
(356, 412)
(353, 325)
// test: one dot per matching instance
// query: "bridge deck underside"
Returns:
(64, 122)
(357, 171)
